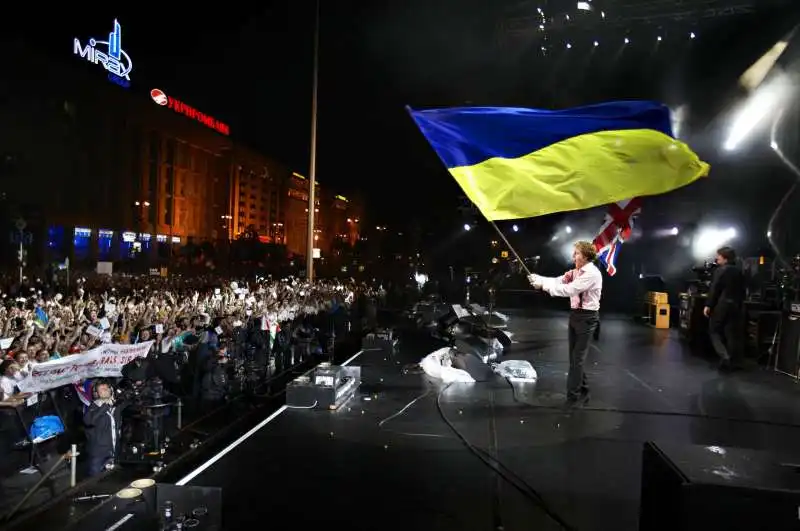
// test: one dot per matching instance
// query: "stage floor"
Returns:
(389, 459)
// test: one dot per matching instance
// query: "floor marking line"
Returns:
(228, 449)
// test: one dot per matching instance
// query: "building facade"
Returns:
(101, 172)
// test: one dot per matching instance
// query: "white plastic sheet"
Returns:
(516, 370)
(438, 364)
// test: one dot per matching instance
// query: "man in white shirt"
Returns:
(584, 286)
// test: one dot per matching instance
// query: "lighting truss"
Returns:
(525, 18)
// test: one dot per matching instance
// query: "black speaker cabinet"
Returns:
(697, 488)
(788, 359)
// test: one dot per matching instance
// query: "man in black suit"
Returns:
(725, 309)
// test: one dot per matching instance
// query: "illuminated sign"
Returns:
(108, 53)
(296, 194)
(178, 106)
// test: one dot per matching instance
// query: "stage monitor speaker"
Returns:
(788, 359)
(694, 488)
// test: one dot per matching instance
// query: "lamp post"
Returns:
(312, 172)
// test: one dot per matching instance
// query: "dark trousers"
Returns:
(582, 326)
(725, 328)
(97, 462)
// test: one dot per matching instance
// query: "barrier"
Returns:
(656, 309)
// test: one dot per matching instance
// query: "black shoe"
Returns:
(580, 401)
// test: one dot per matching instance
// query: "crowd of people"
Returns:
(190, 330)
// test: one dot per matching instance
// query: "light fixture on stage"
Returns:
(515, 228)
(692, 35)
(627, 40)
(569, 46)
(674, 231)
(467, 227)
(596, 44)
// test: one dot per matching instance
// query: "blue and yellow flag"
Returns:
(519, 163)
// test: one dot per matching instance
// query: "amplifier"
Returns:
(708, 487)
(787, 359)
(324, 387)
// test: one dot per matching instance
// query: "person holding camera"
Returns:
(584, 286)
(214, 383)
(103, 421)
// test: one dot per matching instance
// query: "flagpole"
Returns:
(312, 171)
(510, 247)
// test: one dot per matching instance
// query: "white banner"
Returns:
(101, 362)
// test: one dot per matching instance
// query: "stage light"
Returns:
(707, 241)
(659, 38)
(627, 40)
(596, 44)
(769, 234)
(568, 229)
(692, 35)
(757, 107)
(584, 6)
(541, 26)
(569, 46)
(467, 227)
(515, 228)
(674, 231)
(602, 14)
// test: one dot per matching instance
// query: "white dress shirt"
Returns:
(583, 286)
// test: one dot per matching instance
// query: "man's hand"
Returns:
(707, 311)
(535, 281)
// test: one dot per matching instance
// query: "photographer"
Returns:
(103, 421)
(214, 386)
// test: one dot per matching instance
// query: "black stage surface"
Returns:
(388, 460)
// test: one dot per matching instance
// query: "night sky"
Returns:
(251, 67)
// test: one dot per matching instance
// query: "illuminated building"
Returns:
(104, 172)
(296, 215)
(256, 198)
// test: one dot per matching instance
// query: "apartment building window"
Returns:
(170, 152)
(170, 191)
(152, 175)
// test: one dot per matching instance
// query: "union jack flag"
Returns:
(616, 229)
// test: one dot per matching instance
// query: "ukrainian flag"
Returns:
(519, 163)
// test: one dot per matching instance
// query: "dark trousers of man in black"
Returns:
(725, 328)
(582, 326)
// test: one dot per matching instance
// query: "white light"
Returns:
(467, 227)
(627, 40)
(569, 46)
(584, 6)
(692, 35)
(674, 231)
(774, 145)
(659, 38)
(769, 234)
(707, 241)
(596, 43)
(568, 229)
(602, 14)
(421, 279)
(755, 110)
(541, 26)
(515, 228)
